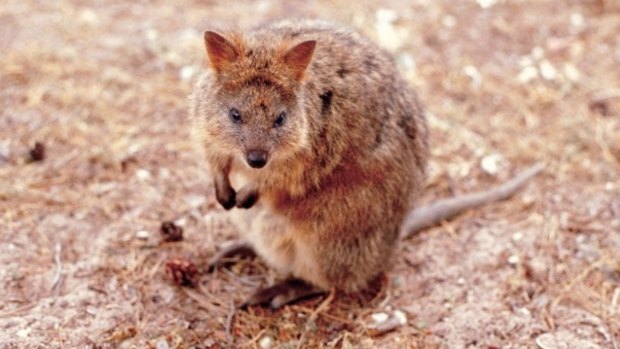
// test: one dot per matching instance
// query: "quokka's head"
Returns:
(253, 104)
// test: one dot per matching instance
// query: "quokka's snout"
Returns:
(257, 158)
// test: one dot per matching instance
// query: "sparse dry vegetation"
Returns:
(102, 86)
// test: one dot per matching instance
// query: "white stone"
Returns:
(537, 52)
(546, 341)
(571, 72)
(162, 344)
(89, 16)
(513, 260)
(577, 20)
(472, 72)
(265, 342)
(486, 3)
(547, 70)
(379, 317)
(385, 15)
(24, 332)
(527, 74)
(142, 234)
(143, 174)
(448, 21)
(492, 163)
(400, 316)
(187, 73)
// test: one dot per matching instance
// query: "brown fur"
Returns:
(342, 171)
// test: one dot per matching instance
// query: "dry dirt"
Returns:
(103, 85)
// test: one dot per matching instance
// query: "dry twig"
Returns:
(229, 321)
(58, 262)
(313, 316)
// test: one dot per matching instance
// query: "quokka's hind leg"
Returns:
(283, 293)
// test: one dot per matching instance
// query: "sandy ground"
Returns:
(103, 85)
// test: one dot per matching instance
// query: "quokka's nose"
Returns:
(257, 158)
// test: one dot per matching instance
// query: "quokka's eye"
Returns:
(280, 120)
(234, 116)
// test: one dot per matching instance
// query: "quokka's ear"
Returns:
(298, 58)
(221, 52)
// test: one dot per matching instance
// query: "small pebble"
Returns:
(400, 316)
(379, 317)
(142, 234)
(162, 344)
(577, 19)
(265, 342)
(24, 332)
(571, 72)
(37, 153)
(546, 341)
(492, 163)
(486, 3)
(527, 74)
(143, 174)
(171, 232)
(547, 71)
(448, 21)
(513, 260)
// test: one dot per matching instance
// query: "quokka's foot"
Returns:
(282, 293)
(236, 248)
(246, 198)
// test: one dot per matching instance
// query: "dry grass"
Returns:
(103, 86)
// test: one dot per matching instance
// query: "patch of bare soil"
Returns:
(103, 86)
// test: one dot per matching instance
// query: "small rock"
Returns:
(486, 3)
(171, 232)
(547, 71)
(398, 281)
(37, 153)
(385, 15)
(537, 52)
(379, 317)
(492, 163)
(400, 316)
(187, 73)
(142, 234)
(266, 342)
(472, 72)
(143, 174)
(577, 20)
(383, 322)
(448, 21)
(546, 341)
(88, 16)
(571, 72)
(513, 260)
(162, 344)
(24, 332)
(527, 74)
(518, 236)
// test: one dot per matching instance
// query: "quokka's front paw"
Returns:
(226, 196)
(246, 197)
